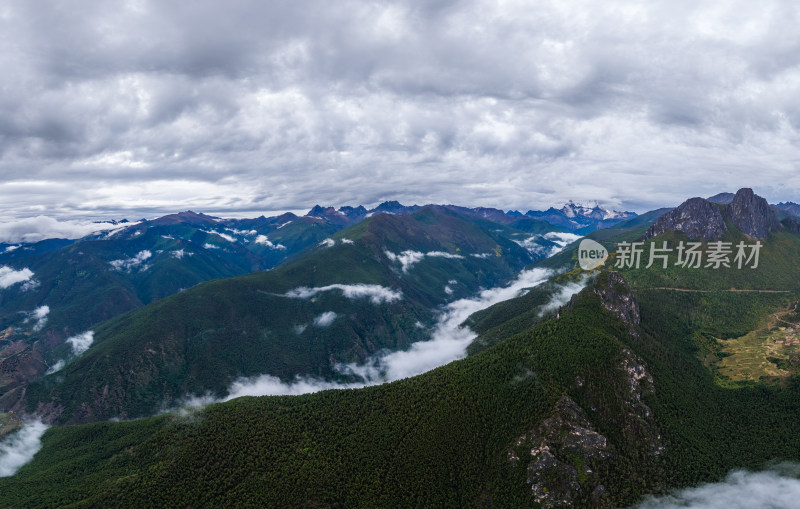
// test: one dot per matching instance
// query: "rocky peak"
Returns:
(319, 211)
(790, 207)
(359, 211)
(751, 214)
(696, 217)
(616, 295)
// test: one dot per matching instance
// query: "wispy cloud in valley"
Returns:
(18, 448)
(448, 342)
(377, 294)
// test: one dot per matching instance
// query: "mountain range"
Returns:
(585, 389)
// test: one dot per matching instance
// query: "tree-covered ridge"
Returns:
(442, 438)
(327, 307)
(652, 416)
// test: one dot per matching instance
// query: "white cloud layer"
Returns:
(160, 106)
(34, 229)
(409, 257)
(376, 293)
(19, 448)
(534, 244)
(778, 488)
(10, 277)
(325, 319)
(448, 342)
(262, 239)
(562, 295)
(81, 342)
(128, 264)
(39, 317)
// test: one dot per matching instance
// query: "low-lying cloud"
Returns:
(263, 240)
(776, 488)
(543, 244)
(10, 277)
(179, 254)
(81, 342)
(39, 317)
(409, 257)
(562, 295)
(128, 264)
(325, 319)
(18, 448)
(225, 236)
(35, 229)
(449, 342)
(376, 293)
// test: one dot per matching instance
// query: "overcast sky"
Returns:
(130, 109)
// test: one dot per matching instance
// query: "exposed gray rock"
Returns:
(696, 217)
(751, 214)
(640, 424)
(618, 298)
(553, 446)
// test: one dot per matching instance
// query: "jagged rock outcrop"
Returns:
(702, 219)
(696, 217)
(640, 427)
(617, 297)
(552, 447)
(751, 214)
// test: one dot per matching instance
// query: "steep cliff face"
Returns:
(751, 214)
(616, 296)
(701, 219)
(696, 217)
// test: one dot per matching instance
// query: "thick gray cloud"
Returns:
(142, 107)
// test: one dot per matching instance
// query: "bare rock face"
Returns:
(751, 214)
(552, 448)
(701, 219)
(696, 217)
(617, 297)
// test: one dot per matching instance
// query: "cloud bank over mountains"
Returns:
(151, 107)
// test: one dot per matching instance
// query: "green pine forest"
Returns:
(444, 438)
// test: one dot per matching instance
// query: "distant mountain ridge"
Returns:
(581, 219)
(571, 217)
